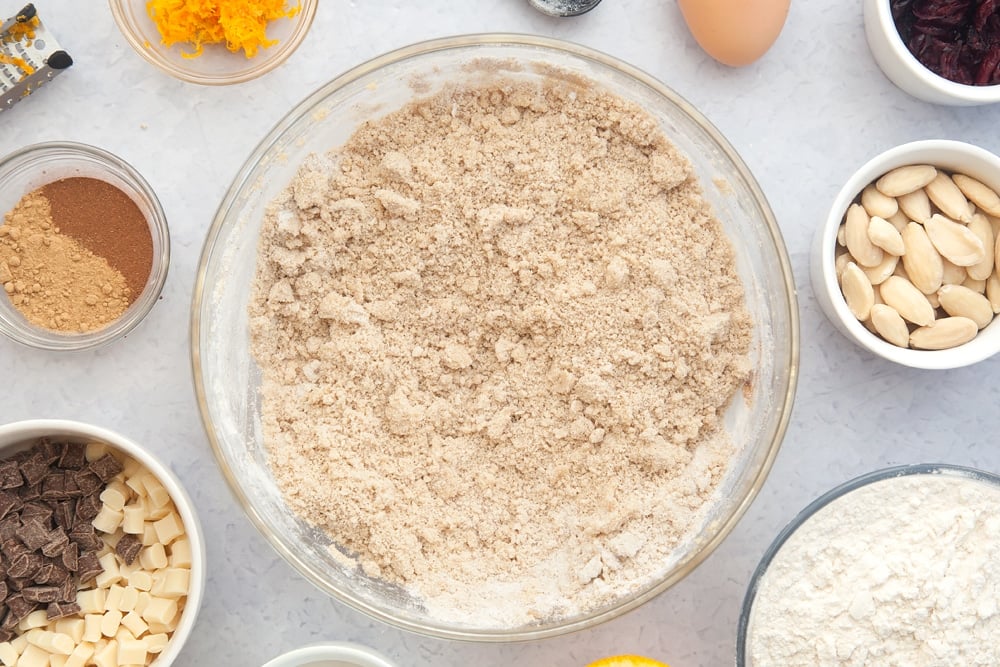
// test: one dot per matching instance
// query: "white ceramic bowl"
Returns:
(904, 70)
(953, 156)
(21, 435)
(330, 654)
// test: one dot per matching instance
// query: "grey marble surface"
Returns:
(813, 109)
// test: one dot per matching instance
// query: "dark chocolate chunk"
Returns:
(40, 593)
(12, 548)
(128, 548)
(35, 468)
(8, 502)
(33, 492)
(33, 534)
(6, 635)
(25, 566)
(64, 513)
(84, 535)
(9, 621)
(19, 608)
(54, 487)
(106, 467)
(50, 451)
(60, 609)
(8, 526)
(10, 474)
(71, 556)
(89, 566)
(87, 508)
(53, 573)
(67, 590)
(88, 482)
(74, 456)
(17, 583)
(72, 488)
(36, 509)
(3, 590)
(54, 547)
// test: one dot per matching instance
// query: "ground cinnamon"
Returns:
(105, 221)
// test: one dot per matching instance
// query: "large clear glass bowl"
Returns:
(227, 377)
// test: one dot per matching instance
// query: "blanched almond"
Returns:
(857, 291)
(907, 300)
(915, 205)
(842, 235)
(983, 230)
(980, 194)
(977, 286)
(889, 325)
(932, 299)
(883, 235)
(953, 273)
(944, 333)
(903, 180)
(954, 241)
(840, 263)
(862, 249)
(993, 292)
(876, 203)
(960, 301)
(947, 197)
(899, 221)
(878, 274)
(922, 262)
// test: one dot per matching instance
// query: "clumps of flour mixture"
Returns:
(498, 329)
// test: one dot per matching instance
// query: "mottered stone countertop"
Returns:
(803, 118)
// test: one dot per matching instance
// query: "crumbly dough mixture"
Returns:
(497, 330)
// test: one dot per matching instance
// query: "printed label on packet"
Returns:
(29, 56)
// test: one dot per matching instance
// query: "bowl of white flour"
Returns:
(896, 567)
(495, 337)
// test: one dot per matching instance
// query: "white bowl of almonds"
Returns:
(906, 263)
(102, 554)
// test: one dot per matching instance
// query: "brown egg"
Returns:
(735, 32)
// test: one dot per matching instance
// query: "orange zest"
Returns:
(627, 661)
(239, 24)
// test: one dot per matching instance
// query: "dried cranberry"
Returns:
(956, 39)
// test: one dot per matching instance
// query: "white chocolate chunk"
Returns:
(131, 652)
(92, 627)
(91, 601)
(153, 557)
(129, 597)
(141, 580)
(56, 660)
(20, 643)
(95, 450)
(111, 575)
(175, 582)
(133, 521)
(107, 655)
(143, 601)
(33, 656)
(133, 621)
(134, 482)
(148, 534)
(107, 520)
(114, 597)
(80, 655)
(110, 622)
(130, 466)
(36, 619)
(169, 528)
(180, 552)
(115, 495)
(51, 642)
(71, 626)
(160, 610)
(158, 494)
(155, 643)
(8, 654)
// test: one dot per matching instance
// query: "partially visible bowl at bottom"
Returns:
(330, 654)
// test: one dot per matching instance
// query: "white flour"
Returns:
(904, 572)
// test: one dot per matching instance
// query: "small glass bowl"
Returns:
(909, 74)
(744, 629)
(33, 166)
(217, 65)
(18, 436)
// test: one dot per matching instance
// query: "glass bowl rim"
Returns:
(282, 52)
(137, 312)
(837, 492)
(783, 404)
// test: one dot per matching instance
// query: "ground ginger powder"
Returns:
(497, 331)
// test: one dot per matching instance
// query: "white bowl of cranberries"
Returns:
(940, 51)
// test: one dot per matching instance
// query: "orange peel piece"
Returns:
(627, 661)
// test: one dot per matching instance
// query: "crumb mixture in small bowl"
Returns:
(513, 365)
